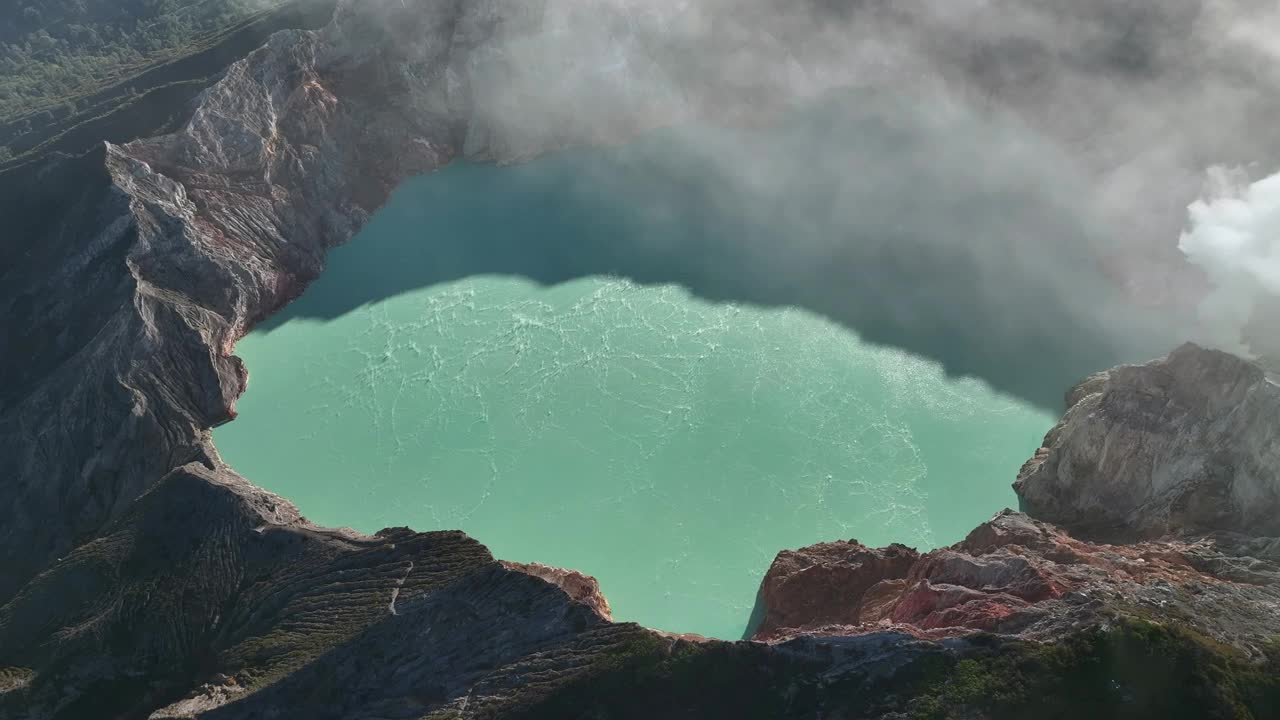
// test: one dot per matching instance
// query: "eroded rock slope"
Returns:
(1183, 443)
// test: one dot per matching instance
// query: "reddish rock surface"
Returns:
(829, 584)
(1014, 575)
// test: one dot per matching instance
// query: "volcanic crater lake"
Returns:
(666, 444)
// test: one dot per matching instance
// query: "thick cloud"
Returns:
(1234, 236)
(998, 184)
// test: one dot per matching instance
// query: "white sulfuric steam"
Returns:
(1234, 236)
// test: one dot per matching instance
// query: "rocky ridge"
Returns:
(141, 577)
(1186, 443)
(1172, 456)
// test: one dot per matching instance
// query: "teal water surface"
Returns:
(665, 444)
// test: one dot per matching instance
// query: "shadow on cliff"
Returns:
(948, 238)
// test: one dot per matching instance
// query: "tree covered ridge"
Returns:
(55, 51)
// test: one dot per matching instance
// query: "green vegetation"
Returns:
(646, 677)
(1132, 670)
(54, 52)
(1136, 669)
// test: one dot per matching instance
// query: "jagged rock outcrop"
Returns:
(1173, 461)
(579, 587)
(835, 583)
(207, 575)
(186, 242)
(1187, 442)
(1017, 576)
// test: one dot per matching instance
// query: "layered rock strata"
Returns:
(1183, 443)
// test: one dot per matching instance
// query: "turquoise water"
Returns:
(666, 444)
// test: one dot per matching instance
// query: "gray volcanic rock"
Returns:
(579, 587)
(1187, 442)
(196, 236)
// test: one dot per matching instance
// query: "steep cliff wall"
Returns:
(1183, 443)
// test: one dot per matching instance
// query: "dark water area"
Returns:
(932, 236)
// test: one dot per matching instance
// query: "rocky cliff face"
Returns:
(140, 576)
(1016, 576)
(1177, 456)
(1183, 443)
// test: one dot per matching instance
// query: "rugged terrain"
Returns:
(140, 576)
(209, 597)
(1138, 455)
(132, 102)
